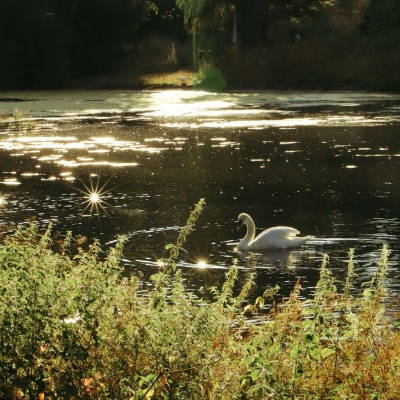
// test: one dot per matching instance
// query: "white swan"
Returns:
(278, 237)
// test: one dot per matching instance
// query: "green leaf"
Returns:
(255, 374)
(316, 353)
(259, 302)
(326, 352)
(308, 323)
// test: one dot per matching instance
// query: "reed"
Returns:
(21, 121)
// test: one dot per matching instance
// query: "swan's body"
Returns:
(278, 237)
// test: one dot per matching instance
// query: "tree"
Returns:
(99, 28)
(218, 25)
(33, 45)
(382, 16)
(46, 42)
(211, 23)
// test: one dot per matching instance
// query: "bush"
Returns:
(326, 63)
(211, 78)
(72, 326)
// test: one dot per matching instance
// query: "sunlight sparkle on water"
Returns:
(93, 196)
(186, 103)
(10, 182)
(201, 264)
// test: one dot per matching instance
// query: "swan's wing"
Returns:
(283, 232)
(278, 237)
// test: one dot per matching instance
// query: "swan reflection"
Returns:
(271, 259)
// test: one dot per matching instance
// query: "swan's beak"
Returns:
(239, 224)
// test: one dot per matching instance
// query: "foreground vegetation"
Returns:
(73, 326)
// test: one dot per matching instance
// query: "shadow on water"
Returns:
(324, 163)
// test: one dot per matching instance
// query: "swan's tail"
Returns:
(297, 241)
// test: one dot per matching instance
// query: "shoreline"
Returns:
(129, 80)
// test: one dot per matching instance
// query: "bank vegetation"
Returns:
(73, 326)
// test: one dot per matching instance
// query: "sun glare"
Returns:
(201, 264)
(94, 197)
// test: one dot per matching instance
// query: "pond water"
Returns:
(324, 163)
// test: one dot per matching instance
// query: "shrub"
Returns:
(73, 326)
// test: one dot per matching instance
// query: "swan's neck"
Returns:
(250, 234)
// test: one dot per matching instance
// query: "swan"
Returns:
(278, 237)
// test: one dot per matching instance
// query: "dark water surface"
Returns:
(327, 164)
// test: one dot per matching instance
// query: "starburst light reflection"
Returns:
(161, 263)
(94, 197)
(201, 264)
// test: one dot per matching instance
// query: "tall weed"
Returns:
(74, 327)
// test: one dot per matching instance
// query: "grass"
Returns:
(170, 79)
(73, 326)
(130, 78)
(159, 64)
(18, 121)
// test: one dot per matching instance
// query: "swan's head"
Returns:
(242, 219)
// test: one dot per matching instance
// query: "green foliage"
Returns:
(50, 310)
(191, 8)
(312, 44)
(212, 78)
(72, 326)
(21, 121)
(328, 347)
(185, 232)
